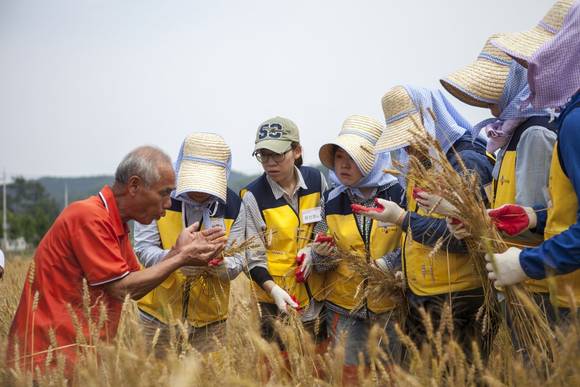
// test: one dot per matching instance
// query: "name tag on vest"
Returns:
(311, 215)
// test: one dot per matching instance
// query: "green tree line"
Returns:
(30, 210)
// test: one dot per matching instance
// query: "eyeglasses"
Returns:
(264, 157)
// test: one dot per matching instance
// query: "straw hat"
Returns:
(481, 83)
(203, 167)
(522, 45)
(402, 118)
(357, 137)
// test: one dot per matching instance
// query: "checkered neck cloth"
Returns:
(554, 70)
(512, 103)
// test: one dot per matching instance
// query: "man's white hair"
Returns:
(143, 162)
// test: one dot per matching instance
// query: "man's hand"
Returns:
(201, 246)
(386, 211)
(507, 269)
(186, 236)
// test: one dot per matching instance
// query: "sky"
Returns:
(83, 82)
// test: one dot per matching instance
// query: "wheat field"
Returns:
(248, 360)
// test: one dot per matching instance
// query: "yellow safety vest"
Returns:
(561, 215)
(342, 284)
(200, 301)
(287, 233)
(504, 191)
(430, 273)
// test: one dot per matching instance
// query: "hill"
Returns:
(82, 187)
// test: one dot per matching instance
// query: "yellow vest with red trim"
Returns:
(203, 300)
(504, 191)
(342, 284)
(286, 233)
(429, 273)
(561, 215)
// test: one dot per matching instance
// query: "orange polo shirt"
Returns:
(87, 241)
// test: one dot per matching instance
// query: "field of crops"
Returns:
(247, 360)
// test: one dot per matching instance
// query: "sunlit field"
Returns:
(246, 359)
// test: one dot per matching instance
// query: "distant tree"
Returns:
(31, 210)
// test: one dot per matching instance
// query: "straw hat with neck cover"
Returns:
(494, 79)
(203, 165)
(408, 109)
(522, 45)
(358, 137)
(553, 67)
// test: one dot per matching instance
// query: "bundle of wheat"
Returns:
(429, 169)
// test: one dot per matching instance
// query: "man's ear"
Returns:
(134, 185)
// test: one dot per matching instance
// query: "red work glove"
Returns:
(513, 219)
(303, 264)
(324, 238)
(416, 192)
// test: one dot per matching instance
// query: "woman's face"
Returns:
(280, 167)
(345, 168)
(198, 197)
(495, 110)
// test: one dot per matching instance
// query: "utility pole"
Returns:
(4, 211)
(65, 195)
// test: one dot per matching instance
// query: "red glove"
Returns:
(416, 192)
(215, 262)
(357, 208)
(298, 270)
(511, 219)
(322, 238)
(298, 308)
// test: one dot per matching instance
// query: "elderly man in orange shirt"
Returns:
(90, 242)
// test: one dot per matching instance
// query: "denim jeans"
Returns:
(357, 331)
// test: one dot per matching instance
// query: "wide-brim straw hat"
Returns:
(357, 137)
(402, 119)
(482, 82)
(204, 165)
(522, 45)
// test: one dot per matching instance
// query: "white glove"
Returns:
(387, 212)
(458, 230)
(509, 271)
(306, 267)
(222, 271)
(434, 203)
(281, 298)
(382, 264)
(324, 249)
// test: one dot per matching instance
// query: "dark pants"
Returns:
(270, 313)
(464, 308)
